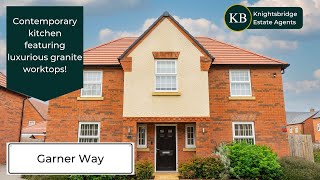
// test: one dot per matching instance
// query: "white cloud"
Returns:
(317, 73)
(302, 86)
(91, 6)
(205, 27)
(311, 12)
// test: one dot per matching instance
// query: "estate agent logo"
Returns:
(239, 17)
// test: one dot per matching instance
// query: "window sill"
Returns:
(90, 98)
(143, 149)
(189, 149)
(242, 98)
(166, 94)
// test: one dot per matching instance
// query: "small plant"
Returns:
(144, 170)
(299, 169)
(222, 152)
(253, 162)
(202, 168)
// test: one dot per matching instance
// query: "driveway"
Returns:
(4, 176)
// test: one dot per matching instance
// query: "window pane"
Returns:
(92, 83)
(244, 132)
(141, 135)
(166, 67)
(89, 133)
(240, 89)
(166, 83)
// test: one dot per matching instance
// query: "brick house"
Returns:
(34, 120)
(11, 115)
(304, 123)
(174, 95)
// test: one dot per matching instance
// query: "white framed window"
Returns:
(31, 123)
(142, 136)
(290, 129)
(92, 84)
(166, 76)
(318, 126)
(240, 83)
(296, 129)
(190, 136)
(89, 132)
(243, 131)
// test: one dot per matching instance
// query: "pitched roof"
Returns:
(3, 80)
(40, 106)
(317, 115)
(298, 117)
(39, 128)
(108, 53)
(158, 21)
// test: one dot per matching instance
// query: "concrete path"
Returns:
(4, 176)
(166, 176)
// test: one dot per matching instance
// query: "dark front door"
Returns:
(166, 148)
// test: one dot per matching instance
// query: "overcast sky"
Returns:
(106, 20)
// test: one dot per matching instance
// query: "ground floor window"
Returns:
(296, 129)
(89, 132)
(318, 127)
(243, 131)
(190, 136)
(291, 131)
(142, 136)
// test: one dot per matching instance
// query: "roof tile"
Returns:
(108, 53)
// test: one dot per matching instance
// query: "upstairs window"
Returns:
(240, 84)
(142, 136)
(166, 75)
(243, 132)
(89, 132)
(92, 84)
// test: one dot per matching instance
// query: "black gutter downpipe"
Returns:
(21, 122)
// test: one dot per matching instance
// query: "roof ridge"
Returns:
(112, 41)
(245, 50)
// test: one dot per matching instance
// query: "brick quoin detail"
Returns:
(126, 64)
(205, 63)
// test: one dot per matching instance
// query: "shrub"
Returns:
(202, 168)
(45, 177)
(316, 154)
(299, 169)
(144, 170)
(253, 162)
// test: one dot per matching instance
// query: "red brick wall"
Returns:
(30, 114)
(299, 126)
(10, 119)
(66, 111)
(310, 126)
(316, 132)
(267, 111)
